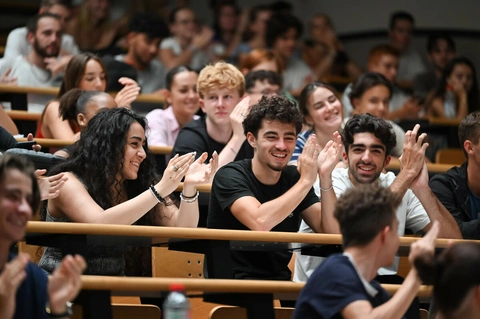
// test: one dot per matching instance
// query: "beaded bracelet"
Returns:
(326, 189)
(189, 199)
(156, 194)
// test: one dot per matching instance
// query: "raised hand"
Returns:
(128, 93)
(238, 114)
(49, 186)
(6, 79)
(201, 173)
(176, 169)
(425, 245)
(203, 39)
(308, 160)
(11, 277)
(65, 282)
(330, 155)
(413, 157)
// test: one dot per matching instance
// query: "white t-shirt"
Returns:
(17, 43)
(28, 74)
(199, 58)
(410, 214)
(410, 64)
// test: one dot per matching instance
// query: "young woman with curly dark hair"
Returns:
(112, 180)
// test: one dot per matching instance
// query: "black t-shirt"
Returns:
(236, 180)
(333, 286)
(194, 137)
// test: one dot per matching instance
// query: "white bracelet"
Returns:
(326, 189)
(190, 199)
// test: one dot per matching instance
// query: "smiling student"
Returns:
(264, 193)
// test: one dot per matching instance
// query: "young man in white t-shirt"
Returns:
(368, 141)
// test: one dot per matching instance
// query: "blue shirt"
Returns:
(474, 204)
(32, 294)
(333, 286)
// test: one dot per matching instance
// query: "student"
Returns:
(186, 46)
(261, 59)
(183, 104)
(441, 49)
(221, 88)
(18, 45)
(459, 188)
(383, 59)
(112, 180)
(368, 143)
(86, 72)
(283, 31)
(146, 31)
(457, 94)
(24, 283)
(322, 111)
(264, 193)
(44, 35)
(344, 285)
(400, 31)
(371, 93)
(260, 83)
(455, 276)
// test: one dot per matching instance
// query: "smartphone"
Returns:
(26, 145)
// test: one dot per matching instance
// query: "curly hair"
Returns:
(219, 76)
(367, 123)
(364, 211)
(273, 108)
(98, 157)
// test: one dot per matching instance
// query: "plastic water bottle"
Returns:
(176, 306)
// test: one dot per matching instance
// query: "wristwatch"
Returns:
(67, 314)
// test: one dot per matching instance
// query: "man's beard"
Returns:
(43, 52)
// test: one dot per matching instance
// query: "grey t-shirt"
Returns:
(17, 44)
(28, 74)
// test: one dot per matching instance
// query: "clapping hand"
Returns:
(49, 186)
(308, 160)
(330, 155)
(11, 277)
(201, 173)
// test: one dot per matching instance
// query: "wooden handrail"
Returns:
(432, 167)
(156, 233)
(52, 91)
(23, 115)
(54, 143)
(132, 284)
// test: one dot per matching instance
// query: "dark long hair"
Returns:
(98, 157)
(472, 95)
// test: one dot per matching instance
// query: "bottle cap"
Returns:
(176, 287)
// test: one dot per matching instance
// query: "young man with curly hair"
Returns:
(263, 193)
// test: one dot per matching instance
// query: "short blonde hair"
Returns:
(219, 76)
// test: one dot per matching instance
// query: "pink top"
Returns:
(163, 127)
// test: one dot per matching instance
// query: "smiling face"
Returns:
(94, 78)
(218, 104)
(15, 205)
(273, 145)
(134, 152)
(375, 101)
(366, 158)
(324, 110)
(183, 96)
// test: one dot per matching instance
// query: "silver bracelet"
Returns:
(189, 199)
(326, 189)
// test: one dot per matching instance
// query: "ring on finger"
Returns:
(175, 168)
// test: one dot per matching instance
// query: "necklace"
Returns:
(37, 76)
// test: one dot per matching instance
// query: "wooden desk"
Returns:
(252, 292)
(53, 91)
(432, 167)
(54, 143)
